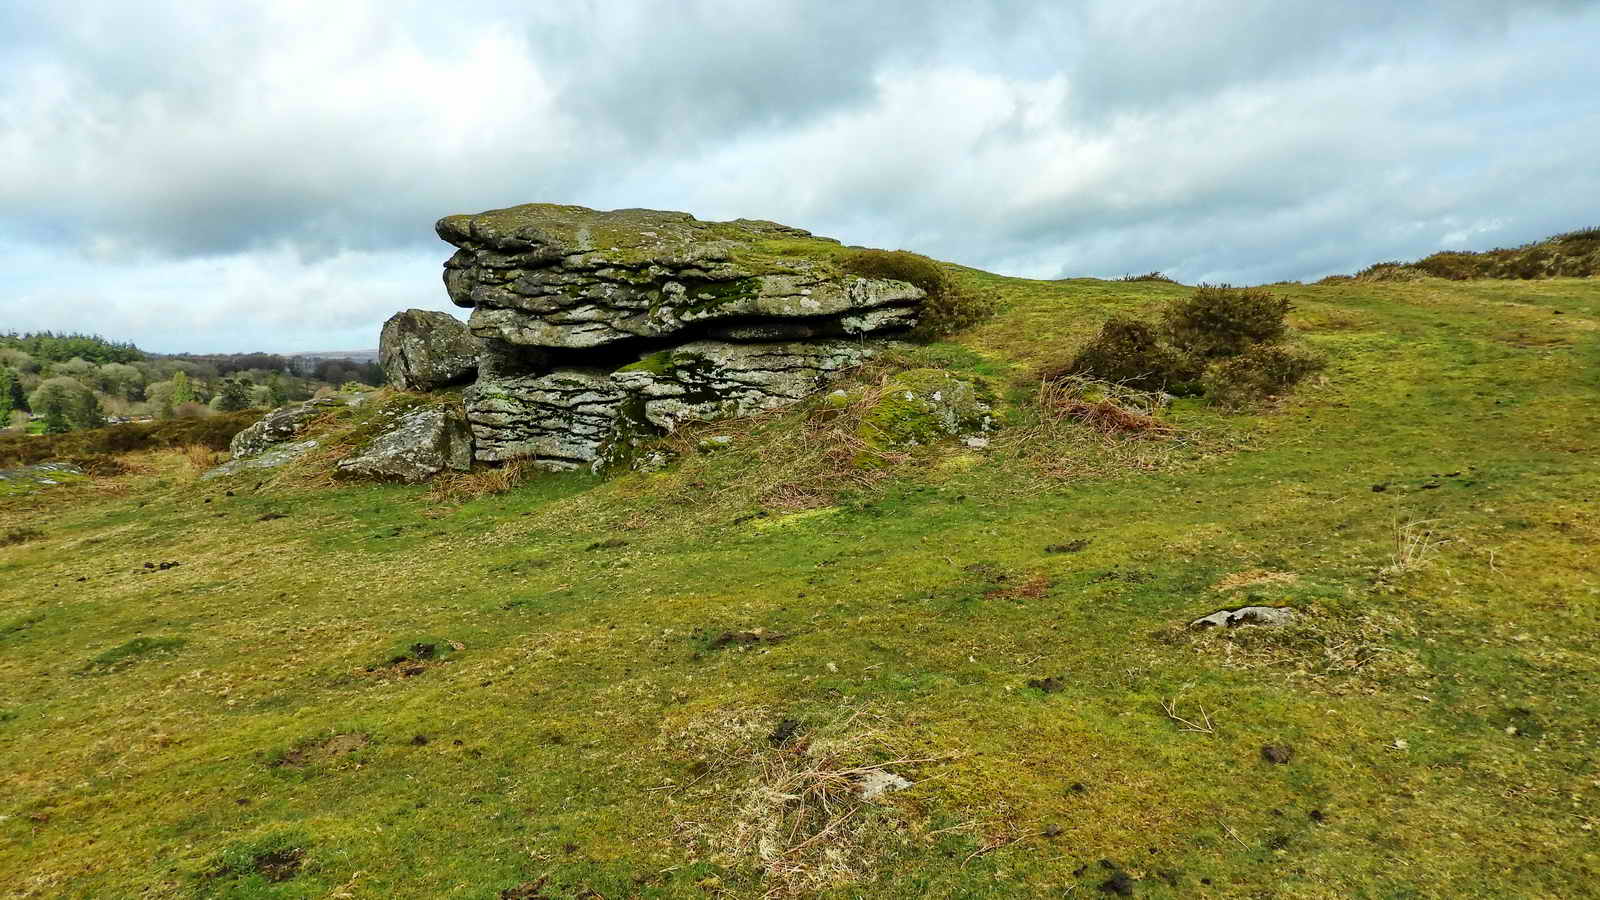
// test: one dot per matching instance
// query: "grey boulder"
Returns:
(282, 424)
(416, 447)
(422, 350)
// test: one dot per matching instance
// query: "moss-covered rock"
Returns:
(924, 406)
(545, 275)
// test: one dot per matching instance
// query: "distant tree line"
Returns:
(63, 382)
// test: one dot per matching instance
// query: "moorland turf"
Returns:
(669, 684)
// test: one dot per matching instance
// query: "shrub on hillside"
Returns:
(949, 307)
(1220, 341)
(1262, 371)
(1131, 352)
(1218, 320)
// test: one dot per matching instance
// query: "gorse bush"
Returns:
(1572, 254)
(1218, 320)
(949, 307)
(1261, 371)
(1132, 352)
(1220, 341)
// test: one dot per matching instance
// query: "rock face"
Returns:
(542, 275)
(418, 446)
(422, 350)
(592, 330)
(561, 420)
(709, 380)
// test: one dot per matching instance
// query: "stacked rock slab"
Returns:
(597, 326)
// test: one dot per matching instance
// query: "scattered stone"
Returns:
(1277, 754)
(1246, 615)
(422, 350)
(877, 782)
(1051, 831)
(418, 446)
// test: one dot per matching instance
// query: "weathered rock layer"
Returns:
(598, 328)
(542, 275)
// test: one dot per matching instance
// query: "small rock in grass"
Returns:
(1245, 615)
(1277, 754)
(878, 782)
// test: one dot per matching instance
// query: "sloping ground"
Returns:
(674, 684)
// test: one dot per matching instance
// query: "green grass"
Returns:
(589, 733)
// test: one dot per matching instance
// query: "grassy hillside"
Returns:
(669, 684)
(1573, 254)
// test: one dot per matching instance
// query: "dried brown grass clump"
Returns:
(1109, 409)
(455, 488)
(201, 457)
(789, 797)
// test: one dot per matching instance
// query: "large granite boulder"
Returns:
(543, 275)
(423, 350)
(418, 446)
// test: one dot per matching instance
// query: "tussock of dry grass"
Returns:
(793, 808)
(455, 488)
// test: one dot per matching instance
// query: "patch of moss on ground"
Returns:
(920, 407)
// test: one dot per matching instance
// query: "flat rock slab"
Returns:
(272, 458)
(418, 446)
(546, 275)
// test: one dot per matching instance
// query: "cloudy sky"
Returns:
(265, 175)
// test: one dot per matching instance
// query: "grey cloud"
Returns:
(1242, 141)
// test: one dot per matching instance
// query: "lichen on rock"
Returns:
(544, 275)
(423, 350)
(419, 445)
